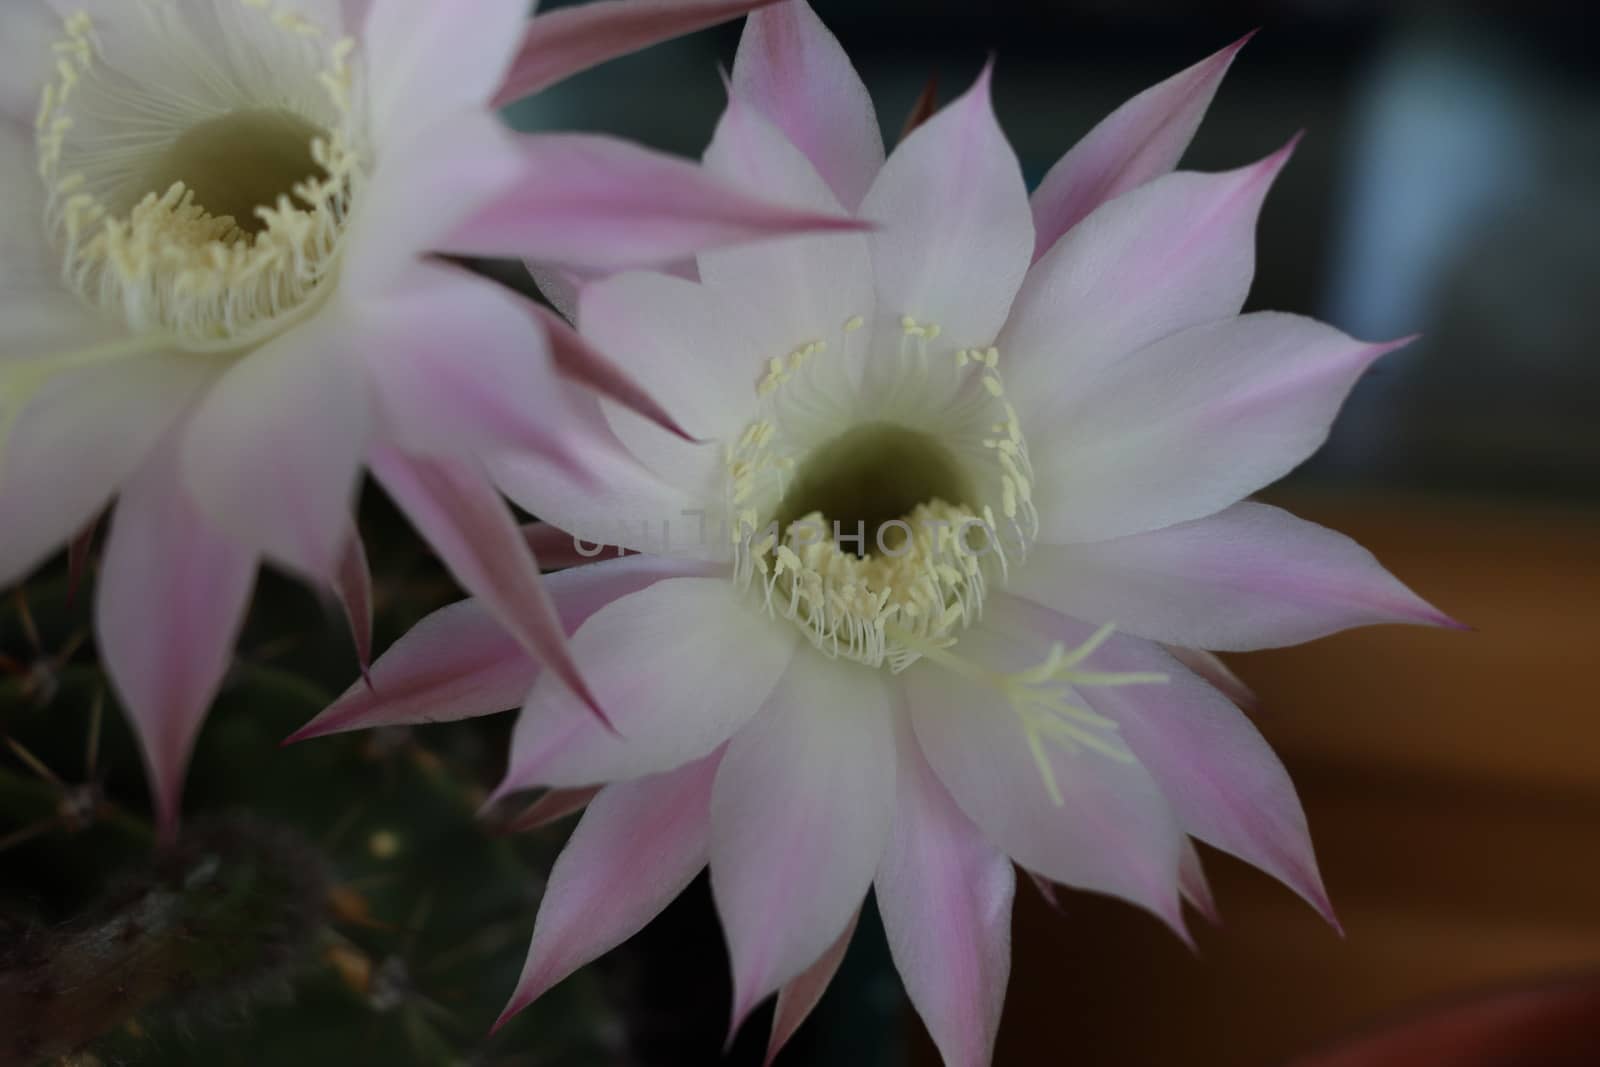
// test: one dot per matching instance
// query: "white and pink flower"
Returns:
(214, 304)
(1044, 418)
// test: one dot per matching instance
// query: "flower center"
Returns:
(200, 177)
(875, 514)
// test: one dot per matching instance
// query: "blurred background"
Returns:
(1448, 185)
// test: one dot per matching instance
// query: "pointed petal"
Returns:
(1113, 831)
(1216, 770)
(555, 548)
(799, 998)
(75, 443)
(464, 165)
(603, 204)
(1217, 673)
(80, 557)
(466, 522)
(923, 108)
(564, 42)
(1141, 140)
(799, 818)
(1250, 577)
(1175, 253)
(461, 662)
(426, 61)
(945, 894)
(1192, 424)
(553, 806)
(799, 289)
(955, 236)
(461, 367)
(586, 366)
(636, 848)
(352, 584)
(679, 666)
(171, 598)
(1192, 881)
(273, 453)
(792, 70)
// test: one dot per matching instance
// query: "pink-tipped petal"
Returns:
(1250, 577)
(945, 894)
(1047, 890)
(552, 807)
(461, 662)
(461, 366)
(956, 236)
(1192, 424)
(586, 366)
(75, 442)
(799, 288)
(1141, 140)
(799, 819)
(428, 60)
(466, 522)
(798, 999)
(1211, 667)
(1113, 831)
(792, 70)
(562, 43)
(603, 204)
(636, 848)
(1193, 884)
(679, 667)
(1175, 253)
(171, 598)
(274, 451)
(555, 548)
(352, 585)
(1216, 770)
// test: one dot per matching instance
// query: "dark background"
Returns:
(1448, 185)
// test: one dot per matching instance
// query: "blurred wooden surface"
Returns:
(1452, 782)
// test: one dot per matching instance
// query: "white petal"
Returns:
(799, 818)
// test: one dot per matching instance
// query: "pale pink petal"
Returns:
(945, 895)
(460, 662)
(556, 548)
(799, 818)
(1175, 253)
(462, 517)
(596, 202)
(356, 13)
(792, 70)
(798, 289)
(1113, 832)
(636, 848)
(461, 367)
(169, 603)
(678, 666)
(1216, 770)
(1047, 890)
(583, 364)
(561, 284)
(623, 503)
(421, 190)
(1250, 577)
(955, 237)
(74, 444)
(352, 585)
(1141, 140)
(1191, 424)
(428, 60)
(1192, 882)
(799, 998)
(552, 807)
(573, 39)
(1217, 673)
(80, 557)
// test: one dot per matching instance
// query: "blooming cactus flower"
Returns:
(968, 476)
(213, 301)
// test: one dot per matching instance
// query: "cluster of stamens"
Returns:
(160, 258)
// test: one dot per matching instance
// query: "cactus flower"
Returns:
(215, 306)
(969, 476)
